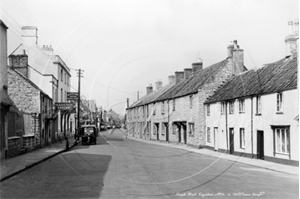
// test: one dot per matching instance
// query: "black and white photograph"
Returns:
(149, 99)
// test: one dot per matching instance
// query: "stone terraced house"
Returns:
(30, 123)
(139, 114)
(256, 113)
(50, 73)
(178, 114)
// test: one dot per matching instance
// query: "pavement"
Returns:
(17, 164)
(243, 160)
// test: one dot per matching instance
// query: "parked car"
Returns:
(102, 128)
(89, 134)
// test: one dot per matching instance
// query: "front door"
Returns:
(231, 140)
(167, 132)
(184, 133)
(157, 130)
(216, 138)
(178, 132)
(260, 145)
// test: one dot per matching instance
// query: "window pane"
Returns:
(278, 140)
(288, 141)
(283, 140)
(278, 108)
(208, 134)
(243, 132)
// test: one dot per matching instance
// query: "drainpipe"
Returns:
(252, 127)
(226, 122)
(168, 102)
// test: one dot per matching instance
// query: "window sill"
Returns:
(281, 153)
(241, 112)
(242, 148)
(258, 114)
(279, 112)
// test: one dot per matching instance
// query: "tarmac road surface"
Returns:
(123, 168)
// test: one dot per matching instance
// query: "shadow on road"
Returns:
(65, 176)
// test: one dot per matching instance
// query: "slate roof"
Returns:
(195, 82)
(150, 97)
(271, 78)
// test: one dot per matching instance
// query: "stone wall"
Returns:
(14, 145)
(24, 95)
(30, 142)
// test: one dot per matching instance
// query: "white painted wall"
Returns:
(260, 122)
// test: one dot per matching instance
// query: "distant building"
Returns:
(176, 113)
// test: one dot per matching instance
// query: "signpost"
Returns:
(64, 106)
(72, 96)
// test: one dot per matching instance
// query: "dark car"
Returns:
(89, 134)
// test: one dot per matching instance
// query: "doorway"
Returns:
(157, 130)
(179, 132)
(260, 145)
(216, 138)
(231, 140)
(184, 133)
(167, 131)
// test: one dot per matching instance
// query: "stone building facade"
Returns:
(32, 105)
(256, 114)
(5, 102)
(178, 113)
(50, 73)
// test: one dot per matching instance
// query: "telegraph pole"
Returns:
(78, 101)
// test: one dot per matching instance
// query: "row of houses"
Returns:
(33, 81)
(226, 107)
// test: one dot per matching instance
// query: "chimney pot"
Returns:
(291, 39)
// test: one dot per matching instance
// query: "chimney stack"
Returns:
(296, 24)
(188, 72)
(179, 76)
(29, 32)
(149, 89)
(230, 48)
(19, 63)
(236, 57)
(48, 49)
(158, 84)
(171, 79)
(197, 66)
(291, 39)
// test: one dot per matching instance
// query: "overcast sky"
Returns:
(123, 45)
